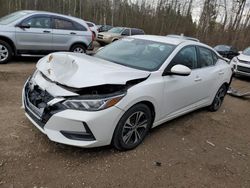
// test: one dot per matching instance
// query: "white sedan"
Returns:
(241, 63)
(125, 89)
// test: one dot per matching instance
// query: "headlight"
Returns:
(235, 60)
(92, 104)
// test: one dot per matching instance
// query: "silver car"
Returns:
(37, 33)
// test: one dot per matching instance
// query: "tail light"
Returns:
(93, 37)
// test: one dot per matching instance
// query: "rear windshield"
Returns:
(12, 17)
(222, 48)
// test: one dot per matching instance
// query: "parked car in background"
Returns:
(241, 63)
(93, 28)
(226, 51)
(104, 28)
(184, 37)
(116, 33)
(125, 89)
(36, 33)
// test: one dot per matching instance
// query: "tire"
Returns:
(132, 127)
(78, 48)
(218, 99)
(5, 52)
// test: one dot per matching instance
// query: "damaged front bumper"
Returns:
(71, 127)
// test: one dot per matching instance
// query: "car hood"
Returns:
(80, 70)
(110, 34)
(243, 57)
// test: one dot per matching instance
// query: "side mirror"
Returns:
(124, 34)
(24, 26)
(179, 70)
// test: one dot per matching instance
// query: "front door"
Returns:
(181, 93)
(38, 37)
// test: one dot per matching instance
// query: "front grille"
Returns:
(100, 36)
(243, 69)
(246, 62)
(36, 105)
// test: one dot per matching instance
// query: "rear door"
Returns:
(67, 32)
(209, 73)
(36, 38)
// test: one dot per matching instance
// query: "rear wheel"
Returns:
(78, 48)
(5, 52)
(218, 99)
(132, 127)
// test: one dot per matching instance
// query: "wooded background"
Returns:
(212, 21)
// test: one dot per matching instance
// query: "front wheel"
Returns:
(5, 52)
(218, 99)
(132, 127)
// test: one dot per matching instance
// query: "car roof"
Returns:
(183, 37)
(50, 13)
(164, 39)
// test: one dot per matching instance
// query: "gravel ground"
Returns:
(201, 149)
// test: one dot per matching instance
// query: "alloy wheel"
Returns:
(4, 53)
(79, 50)
(219, 98)
(135, 128)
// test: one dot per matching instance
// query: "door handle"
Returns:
(46, 31)
(72, 33)
(197, 79)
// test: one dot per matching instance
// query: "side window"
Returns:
(206, 57)
(64, 24)
(187, 56)
(126, 32)
(80, 27)
(136, 32)
(38, 22)
(90, 24)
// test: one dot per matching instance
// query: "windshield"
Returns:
(222, 48)
(12, 17)
(246, 51)
(137, 53)
(116, 30)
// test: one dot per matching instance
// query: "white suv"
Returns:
(241, 63)
(38, 33)
(125, 89)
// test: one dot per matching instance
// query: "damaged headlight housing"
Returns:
(92, 104)
(235, 60)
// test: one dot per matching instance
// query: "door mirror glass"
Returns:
(24, 26)
(180, 70)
